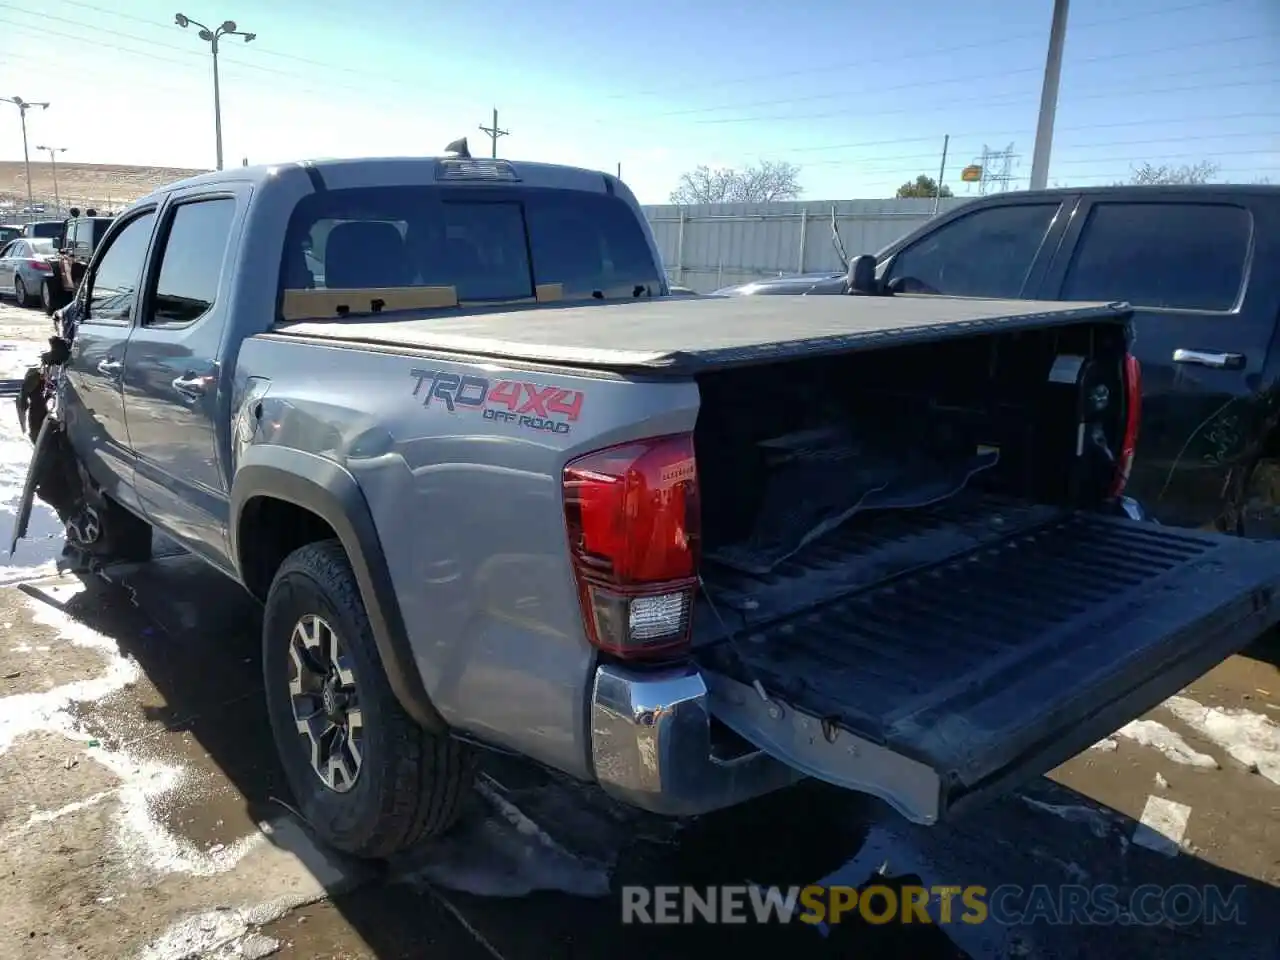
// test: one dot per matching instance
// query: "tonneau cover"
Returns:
(687, 335)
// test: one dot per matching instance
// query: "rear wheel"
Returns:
(47, 299)
(20, 292)
(368, 779)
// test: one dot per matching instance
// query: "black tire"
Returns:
(21, 293)
(411, 784)
(46, 298)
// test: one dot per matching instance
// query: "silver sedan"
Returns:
(24, 267)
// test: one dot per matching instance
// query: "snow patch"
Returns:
(1149, 733)
(48, 816)
(223, 934)
(1251, 738)
(145, 840)
(1097, 821)
(26, 713)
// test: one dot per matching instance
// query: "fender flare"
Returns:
(329, 491)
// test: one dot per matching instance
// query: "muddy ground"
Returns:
(142, 813)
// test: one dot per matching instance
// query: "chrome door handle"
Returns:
(1218, 361)
(109, 367)
(190, 386)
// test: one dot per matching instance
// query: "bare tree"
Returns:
(763, 183)
(1151, 175)
(923, 186)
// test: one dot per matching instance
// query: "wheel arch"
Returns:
(268, 475)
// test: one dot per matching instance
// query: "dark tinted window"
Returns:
(1187, 255)
(488, 244)
(984, 254)
(191, 265)
(115, 280)
(47, 228)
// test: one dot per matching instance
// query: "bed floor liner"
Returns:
(1005, 654)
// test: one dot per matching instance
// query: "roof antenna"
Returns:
(460, 148)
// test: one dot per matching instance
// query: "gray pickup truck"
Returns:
(497, 488)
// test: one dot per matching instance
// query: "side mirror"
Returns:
(861, 278)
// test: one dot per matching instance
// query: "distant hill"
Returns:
(103, 185)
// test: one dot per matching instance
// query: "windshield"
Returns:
(40, 245)
(489, 245)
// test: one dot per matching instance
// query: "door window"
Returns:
(191, 265)
(114, 286)
(987, 253)
(1188, 256)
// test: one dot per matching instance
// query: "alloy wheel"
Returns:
(326, 706)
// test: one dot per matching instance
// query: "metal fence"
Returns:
(13, 206)
(708, 246)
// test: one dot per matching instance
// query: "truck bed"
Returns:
(683, 336)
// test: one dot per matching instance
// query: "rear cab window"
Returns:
(1187, 256)
(492, 245)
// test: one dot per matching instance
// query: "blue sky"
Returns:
(859, 95)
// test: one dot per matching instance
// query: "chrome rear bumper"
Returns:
(653, 745)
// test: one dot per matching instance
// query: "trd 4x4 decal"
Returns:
(531, 406)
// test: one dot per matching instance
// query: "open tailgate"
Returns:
(956, 682)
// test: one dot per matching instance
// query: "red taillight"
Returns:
(39, 264)
(632, 515)
(1132, 417)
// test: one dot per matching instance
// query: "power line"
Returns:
(918, 84)
(685, 87)
(901, 55)
(1020, 98)
(134, 53)
(1084, 126)
(915, 110)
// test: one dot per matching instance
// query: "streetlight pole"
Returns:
(53, 164)
(227, 29)
(23, 106)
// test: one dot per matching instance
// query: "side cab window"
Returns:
(986, 253)
(112, 287)
(194, 247)
(1172, 256)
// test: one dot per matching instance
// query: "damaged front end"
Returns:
(54, 474)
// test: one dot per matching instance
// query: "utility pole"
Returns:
(1049, 97)
(942, 172)
(211, 37)
(53, 164)
(619, 169)
(23, 106)
(494, 133)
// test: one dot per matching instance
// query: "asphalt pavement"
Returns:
(143, 814)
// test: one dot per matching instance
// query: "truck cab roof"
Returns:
(386, 171)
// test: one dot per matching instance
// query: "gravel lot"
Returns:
(142, 814)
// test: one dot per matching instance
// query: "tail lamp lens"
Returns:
(1132, 419)
(633, 524)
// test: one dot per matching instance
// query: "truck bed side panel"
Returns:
(468, 509)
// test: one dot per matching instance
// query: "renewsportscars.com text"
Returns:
(1066, 904)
